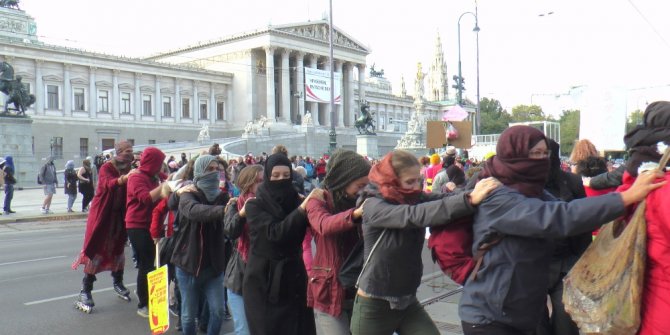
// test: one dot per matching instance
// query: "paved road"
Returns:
(38, 287)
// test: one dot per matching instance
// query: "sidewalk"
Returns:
(28, 202)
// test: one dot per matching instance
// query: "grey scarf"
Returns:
(208, 183)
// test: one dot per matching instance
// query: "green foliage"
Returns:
(635, 118)
(569, 122)
(494, 119)
(525, 113)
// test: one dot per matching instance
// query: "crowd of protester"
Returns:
(241, 232)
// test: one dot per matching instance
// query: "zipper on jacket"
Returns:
(202, 243)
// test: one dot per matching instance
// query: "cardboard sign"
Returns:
(159, 316)
(437, 137)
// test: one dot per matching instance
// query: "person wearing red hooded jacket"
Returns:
(645, 154)
(335, 221)
(144, 190)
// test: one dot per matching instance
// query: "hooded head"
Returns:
(151, 161)
(514, 165)
(343, 168)
(9, 162)
(279, 191)
(206, 176)
(642, 140)
(69, 165)
(434, 159)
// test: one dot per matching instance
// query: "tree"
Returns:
(635, 118)
(569, 122)
(494, 119)
(525, 113)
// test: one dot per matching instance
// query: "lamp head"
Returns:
(476, 29)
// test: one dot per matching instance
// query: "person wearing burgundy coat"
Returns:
(105, 237)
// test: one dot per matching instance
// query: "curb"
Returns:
(44, 217)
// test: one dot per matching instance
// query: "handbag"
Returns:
(603, 291)
(353, 266)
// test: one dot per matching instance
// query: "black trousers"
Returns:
(146, 254)
(494, 328)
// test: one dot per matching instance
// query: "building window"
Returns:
(146, 105)
(167, 107)
(107, 143)
(172, 141)
(52, 97)
(152, 141)
(103, 101)
(185, 108)
(203, 109)
(125, 103)
(79, 99)
(131, 141)
(83, 147)
(57, 147)
(220, 111)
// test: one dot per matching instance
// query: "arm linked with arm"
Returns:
(380, 213)
(324, 223)
(233, 223)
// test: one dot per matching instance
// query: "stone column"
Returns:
(228, 108)
(67, 90)
(138, 96)
(115, 94)
(339, 109)
(351, 102)
(361, 82)
(285, 87)
(300, 83)
(314, 106)
(177, 101)
(270, 112)
(196, 103)
(212, 103)
(39, 90)
(158, 103)
(92, 93)
(325, 108)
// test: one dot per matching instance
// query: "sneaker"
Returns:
(143, 312)
(10, 212)
(45, 211)
(227, 316)
(69, 210)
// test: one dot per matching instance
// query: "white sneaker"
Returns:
(45, 211)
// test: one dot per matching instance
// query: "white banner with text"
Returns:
(317, 86)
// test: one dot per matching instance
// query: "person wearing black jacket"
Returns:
(275, 279)
(565, 186)
(199, 251)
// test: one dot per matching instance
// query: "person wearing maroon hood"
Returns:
(144, 189)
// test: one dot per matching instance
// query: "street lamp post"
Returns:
(459, 81)
(332, 134)
(51, 147)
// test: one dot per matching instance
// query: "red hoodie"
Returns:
(138, 200)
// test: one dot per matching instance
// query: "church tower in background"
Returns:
(437, 75)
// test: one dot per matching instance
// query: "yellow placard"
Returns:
(159, 316)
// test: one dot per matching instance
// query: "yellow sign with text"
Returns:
(159, 316)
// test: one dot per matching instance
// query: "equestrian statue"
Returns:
(10, 4)
(17, 93)
(365, 123)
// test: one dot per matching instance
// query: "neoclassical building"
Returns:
(87, 101)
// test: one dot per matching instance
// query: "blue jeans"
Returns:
(70, 200)
(211, 285)
(236, 303)
(9, 194)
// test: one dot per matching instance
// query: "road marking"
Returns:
(32, 260)
(70, 296)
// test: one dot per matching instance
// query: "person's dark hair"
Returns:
(403, 160)
(214, 150)
(279, 148)
(222, 161)
(247, 177)
(591, 166)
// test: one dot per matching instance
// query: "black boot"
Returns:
(119, 288)
(87, 286)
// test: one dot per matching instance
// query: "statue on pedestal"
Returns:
(10, 4)
(307, 119)
(203, 136)
(16, 92)
(365, 123)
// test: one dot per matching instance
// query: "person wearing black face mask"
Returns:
(275, 280)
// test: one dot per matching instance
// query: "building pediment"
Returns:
(319, 31)
(52, 78)
(104, 83)
(125, 86)
(79, 81)
(25, 74)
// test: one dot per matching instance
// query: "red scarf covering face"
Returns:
(511, 164)
(383, 175)
(243, 241)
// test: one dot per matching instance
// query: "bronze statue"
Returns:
(375, 73)
(16, 92)
(10, 4)
(365, 123)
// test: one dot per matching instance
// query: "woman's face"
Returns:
(280, 172)
(213, 166)
(259, 180)
(355, 186)
(410, 179)
(539, 151)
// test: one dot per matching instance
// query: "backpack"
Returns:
(309, 167)
(451, 249)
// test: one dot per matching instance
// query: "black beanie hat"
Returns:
(344, 167)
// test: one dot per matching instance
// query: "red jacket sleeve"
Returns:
(157, 219)
(325, 223)
(140, 186)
